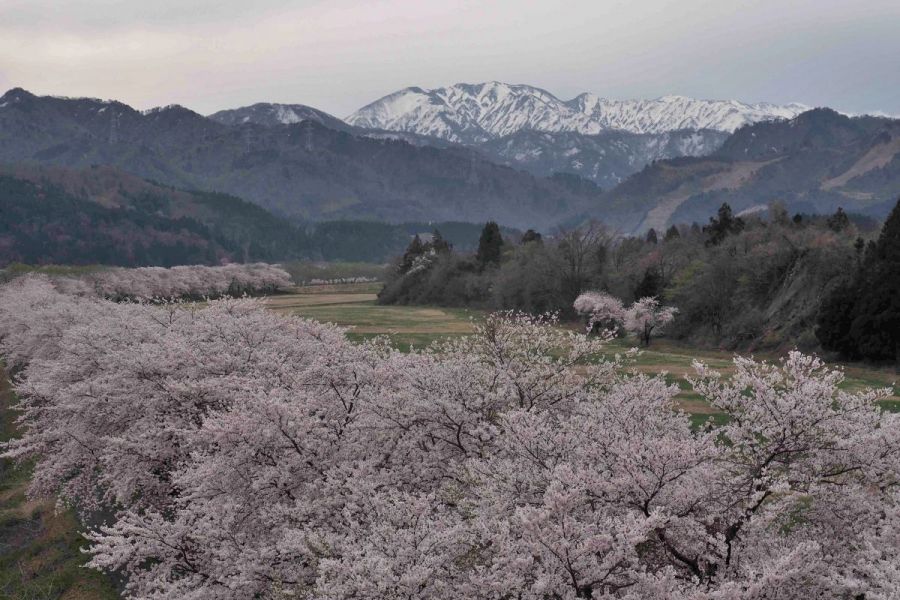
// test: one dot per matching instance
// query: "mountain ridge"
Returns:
(814, 163)
(303, 171)
(474, 113)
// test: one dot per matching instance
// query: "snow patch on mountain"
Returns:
(475, 113)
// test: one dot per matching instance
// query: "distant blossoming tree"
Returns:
(601, 310)
(646, 316)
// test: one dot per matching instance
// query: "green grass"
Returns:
(353, 305)
(40, 550)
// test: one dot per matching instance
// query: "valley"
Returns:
(353, 306)
(306, 300)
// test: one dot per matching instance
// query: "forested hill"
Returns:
(814, 163)
(304, 171)
(102, 215)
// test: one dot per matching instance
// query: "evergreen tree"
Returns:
(489, 245)
(531, 236)
(876, 323)
(839, 221)
(439, 244)
(862, 318)
(650, 286)
(672, 233)
(723, 224)
(835, 319)
(414, 250)
(651, 237)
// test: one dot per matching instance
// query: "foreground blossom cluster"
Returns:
(644, 317)
(190, 281)
(249, 455)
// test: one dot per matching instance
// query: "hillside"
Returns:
(605, 158)
(103, 215)
(813, 163)
(304, 171)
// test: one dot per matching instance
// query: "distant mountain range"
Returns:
(602, 140)
(814, 163)
(606, 158)
(303, 171)
(475, 113)
(515, 154)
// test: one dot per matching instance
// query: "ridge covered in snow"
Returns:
(474, 113)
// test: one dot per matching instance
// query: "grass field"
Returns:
(353, 306)
(40, 557)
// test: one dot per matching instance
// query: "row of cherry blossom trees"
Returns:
(643, 318)
(189, 281)
(252, 455)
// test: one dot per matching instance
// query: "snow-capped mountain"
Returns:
(270, 114)
(475, 113)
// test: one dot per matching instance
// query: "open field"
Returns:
(353, 306)
(40, 557)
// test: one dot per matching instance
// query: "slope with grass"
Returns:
(40, 556)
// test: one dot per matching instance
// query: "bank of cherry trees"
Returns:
(189, 281)
(251, 455)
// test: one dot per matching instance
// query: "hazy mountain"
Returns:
(475, 113)
(813, 163)
(278, 114)
(310, 172)
(606, 158)
(104, 215)
(303, 171)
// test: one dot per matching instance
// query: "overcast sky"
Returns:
(338, 55)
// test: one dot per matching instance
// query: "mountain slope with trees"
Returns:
(103, 215)
(738, 282)
(303, 171)
(860, 318)
(814, 163)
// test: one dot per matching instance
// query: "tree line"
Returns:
(742, 282)
(860, 317)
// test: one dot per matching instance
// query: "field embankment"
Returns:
(40, 547)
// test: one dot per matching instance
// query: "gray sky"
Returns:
(338, 55)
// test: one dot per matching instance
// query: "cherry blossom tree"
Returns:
(601, 310)
(647, 316)
(245, 454)
(191, 281)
